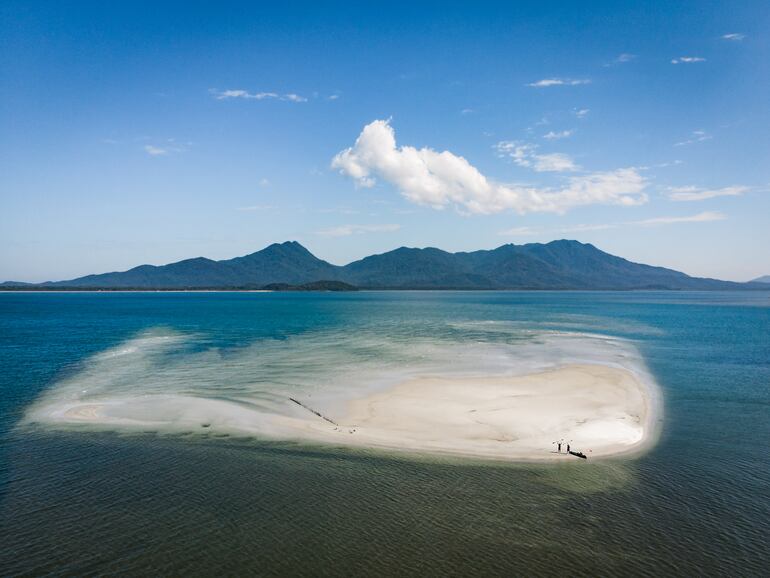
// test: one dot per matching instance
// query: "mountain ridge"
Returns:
(559, 264)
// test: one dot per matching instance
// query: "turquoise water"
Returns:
(165, 499)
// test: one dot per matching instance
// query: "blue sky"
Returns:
(151, 132)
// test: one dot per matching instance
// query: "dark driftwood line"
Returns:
(311, 410)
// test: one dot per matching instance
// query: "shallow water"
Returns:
(168, 500)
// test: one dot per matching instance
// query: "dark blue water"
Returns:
(139, 503)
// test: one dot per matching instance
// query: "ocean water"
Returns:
(150, 491)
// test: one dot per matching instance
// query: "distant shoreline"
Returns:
(41, 290)
(363, 289)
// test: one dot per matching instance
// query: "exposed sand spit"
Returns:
(599, 410)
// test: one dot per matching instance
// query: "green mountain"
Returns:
(286, 262)
(556, 265)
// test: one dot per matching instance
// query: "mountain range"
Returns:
(562, 264)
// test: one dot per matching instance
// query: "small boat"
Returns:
(579, 455)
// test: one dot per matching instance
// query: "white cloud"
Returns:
(554, 162)
(347, 230)
(225, 94)
(705, 217)
(621, 59)
(264, 183)
(734, 36)
(440, 179)
(525, 155)
(546, 82)
(691, 193)
(229, 94)
(551, 135)
(520, 232)
(166, 147)
(582, 112)
(467, 111)
(669, 164)
(340, 210)
(695, 137)
(687, 60)
(520, 153)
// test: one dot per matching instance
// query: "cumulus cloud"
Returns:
(687, 60)
(581, 112)
(246, 95)
(440, 179)
(347, 230)
(546, 82)
(525, 155)
(734, 36)
(691, 193)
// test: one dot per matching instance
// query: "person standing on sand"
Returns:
(567, 448)
(559, 446)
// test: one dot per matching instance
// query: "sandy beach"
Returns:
(598, 410)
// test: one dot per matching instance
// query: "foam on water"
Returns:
(175, 382)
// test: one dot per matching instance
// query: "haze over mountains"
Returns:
(556, 265)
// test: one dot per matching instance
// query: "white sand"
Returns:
(599, 410)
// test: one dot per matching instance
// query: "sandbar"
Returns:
(597, 409)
